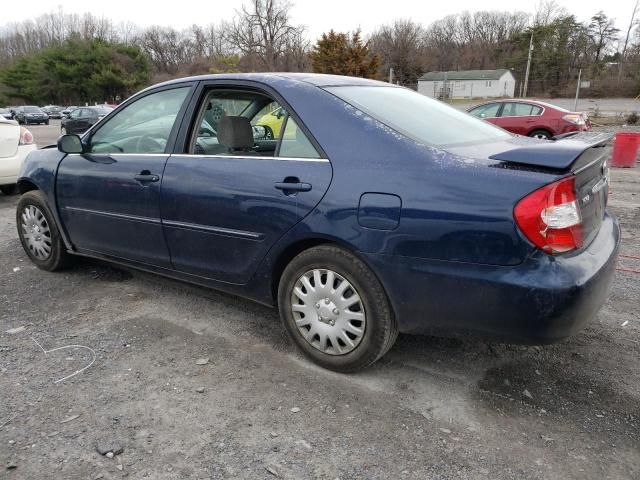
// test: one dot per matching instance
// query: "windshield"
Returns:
(32, 109)
(421, 118)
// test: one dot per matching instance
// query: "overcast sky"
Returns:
(317, 16)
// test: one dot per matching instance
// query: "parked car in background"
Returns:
(82, 119)
(531, 118)
(16, 143)
(68, 110)
(53, 111)
(6, 113)
(31, 114)
(273, 122)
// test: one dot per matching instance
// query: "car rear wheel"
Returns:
(39, 233)
(541, 134)
(335, 309)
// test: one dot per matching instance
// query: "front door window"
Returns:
(142, 127)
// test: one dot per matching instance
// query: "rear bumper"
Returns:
(10, 166)
(542, 300)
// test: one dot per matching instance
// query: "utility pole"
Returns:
(575, 104)
(526, 75)
(391, 75)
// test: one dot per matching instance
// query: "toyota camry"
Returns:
(372, 210)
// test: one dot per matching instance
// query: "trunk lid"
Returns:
(9, 138)
(582, 154)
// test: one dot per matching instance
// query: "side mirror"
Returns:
(70, 144)
(259, 132)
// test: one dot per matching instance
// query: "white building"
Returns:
(468, 84)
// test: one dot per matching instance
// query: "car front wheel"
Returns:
(335, 309)
(39, 233)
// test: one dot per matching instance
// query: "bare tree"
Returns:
(632, 23)
(262, 29)
(602, 32)
(547, 11)
(401, 46)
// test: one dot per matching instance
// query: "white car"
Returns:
(16, 143)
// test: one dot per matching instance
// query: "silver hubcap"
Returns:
(328, 311)
(541, 136)
(36, 232)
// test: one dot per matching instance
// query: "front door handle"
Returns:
(146, 177)
(288, 187)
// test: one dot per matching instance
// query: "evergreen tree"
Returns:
(340, 54)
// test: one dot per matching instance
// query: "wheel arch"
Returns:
(540, 129)
(294, 249)
(25, 186)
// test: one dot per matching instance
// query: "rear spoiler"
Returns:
(559, 154)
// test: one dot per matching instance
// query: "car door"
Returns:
(109, 197)
(222, 209)
(85, 120)
(518, 117)
(71, 125)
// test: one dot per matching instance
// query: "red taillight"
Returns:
(550, 217)
(574, 118)
(26, 137)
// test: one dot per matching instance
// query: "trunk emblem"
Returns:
(600, 185)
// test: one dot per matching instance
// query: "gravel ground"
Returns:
(190, 383)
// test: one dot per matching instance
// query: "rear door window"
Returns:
(518, 109)
(274, 131)
(295, 143)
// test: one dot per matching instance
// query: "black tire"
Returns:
(9, 189)
(540, 134)
(380, 331)
(58, 257)
(47, 122)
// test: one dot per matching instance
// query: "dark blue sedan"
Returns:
(363, 210)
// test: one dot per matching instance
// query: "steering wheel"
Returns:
(147, 144)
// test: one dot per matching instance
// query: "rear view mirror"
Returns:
(70, 144)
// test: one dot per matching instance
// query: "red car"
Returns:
(531, 118)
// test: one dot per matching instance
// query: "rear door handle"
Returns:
(146, 178)
(293, 187)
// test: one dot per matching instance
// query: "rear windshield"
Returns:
(421, 118)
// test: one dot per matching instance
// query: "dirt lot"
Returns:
(432, 408)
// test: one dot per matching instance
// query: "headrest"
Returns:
(235, 133)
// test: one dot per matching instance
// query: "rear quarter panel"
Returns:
(454, 208)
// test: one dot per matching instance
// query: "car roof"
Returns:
(316, 79)
(522, 100)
